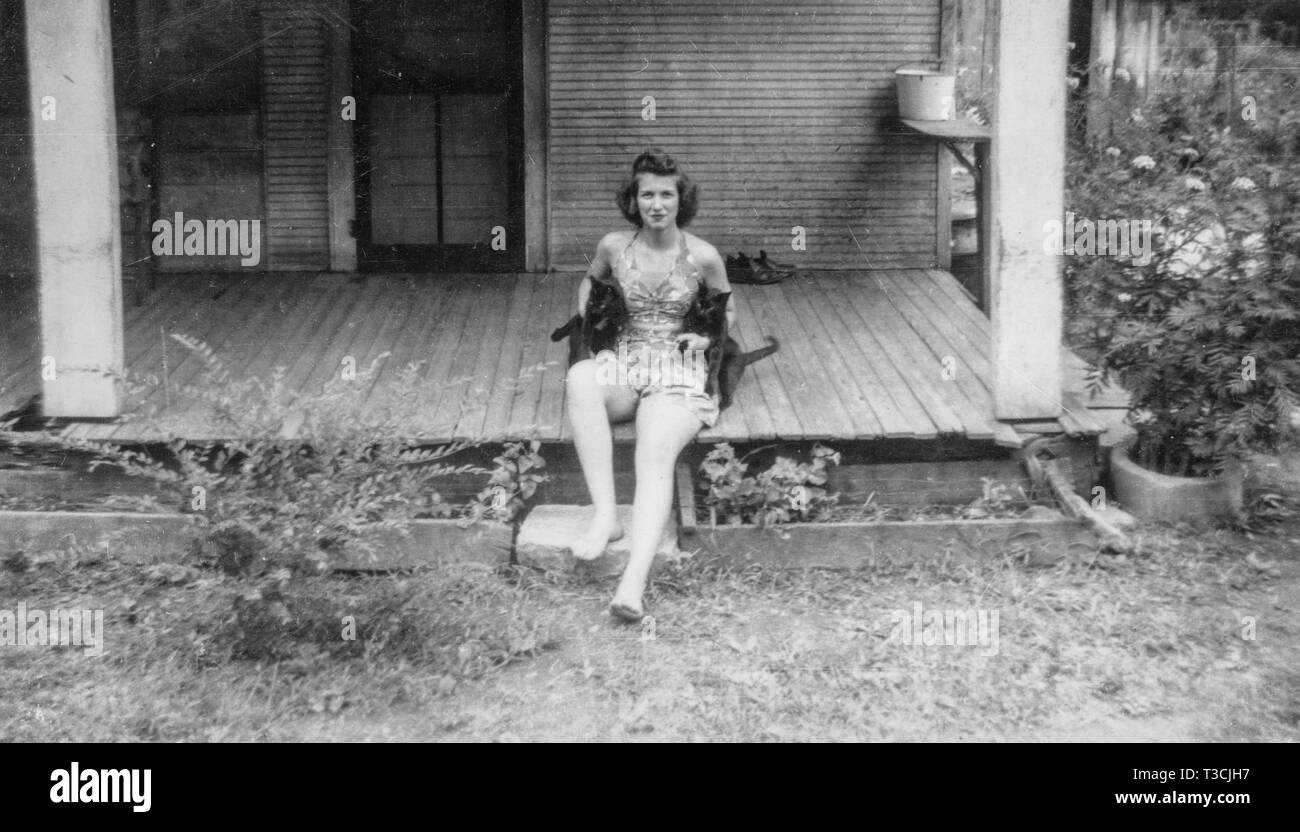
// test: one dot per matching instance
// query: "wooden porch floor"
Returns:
(861, 353)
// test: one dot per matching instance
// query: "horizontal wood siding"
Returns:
(782, 113)
(296, 102)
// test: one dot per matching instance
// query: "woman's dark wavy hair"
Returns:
(659, 163)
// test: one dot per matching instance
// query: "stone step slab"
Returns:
(545, 536)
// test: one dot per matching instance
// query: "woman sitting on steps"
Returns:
(659, 268)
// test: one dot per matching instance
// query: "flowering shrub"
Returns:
(1205, 332)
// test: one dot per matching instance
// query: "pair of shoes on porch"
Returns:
(744, 269)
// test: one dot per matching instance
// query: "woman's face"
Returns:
(656, 199)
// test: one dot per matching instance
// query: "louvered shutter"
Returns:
(295, 99)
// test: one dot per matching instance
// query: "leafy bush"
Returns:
(1205, 334)
(787, 491)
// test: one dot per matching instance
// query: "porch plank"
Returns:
(842, 380)
(947, 316)
(173, 299)
(548, 305)
(920, 360)
(499, 299)
(956, 297)
(408, 342)
(337, 300)
(894, 395)
(869, 419)
(502, 392)
(228, 321)
(1076, 418)
(455, 317)
(901, 347)
(475, 355)
(376, 337)
(970, 368)
(768, 374)
(402, 303)
(973, 401)
(365, 306)
(821, 412)
(550, 402)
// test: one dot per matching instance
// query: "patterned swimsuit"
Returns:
(648, 358)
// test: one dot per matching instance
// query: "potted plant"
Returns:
(1200, 322)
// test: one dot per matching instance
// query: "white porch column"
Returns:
(69, 59)
(1026, 182)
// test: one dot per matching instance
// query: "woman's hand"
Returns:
(693, 341)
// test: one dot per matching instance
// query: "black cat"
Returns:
(598, 329)
(606, 313)
(708, 316)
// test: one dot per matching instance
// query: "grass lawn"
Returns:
(1148, 647)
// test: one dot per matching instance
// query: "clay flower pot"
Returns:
(1154, 496)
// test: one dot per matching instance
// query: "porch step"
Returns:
(546, 534)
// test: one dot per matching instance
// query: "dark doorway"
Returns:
(439, 136)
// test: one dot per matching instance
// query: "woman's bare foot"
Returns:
(592, 544)
(628, 611)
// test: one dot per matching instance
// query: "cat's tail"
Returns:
(569, 326)
(747, 358)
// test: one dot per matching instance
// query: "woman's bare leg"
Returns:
(663, 428)
(592, 406)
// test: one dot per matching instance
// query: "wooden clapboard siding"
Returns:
(861, 353)
(780, 112)
(295, 105)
